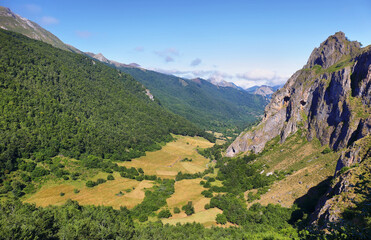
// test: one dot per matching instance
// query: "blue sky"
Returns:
(246, 42)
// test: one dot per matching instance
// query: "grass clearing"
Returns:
(103, 194)
(188, 190)
(206, 218)
(166, 163)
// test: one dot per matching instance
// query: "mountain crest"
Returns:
(333, 50)
(6, 12)
(329, 103)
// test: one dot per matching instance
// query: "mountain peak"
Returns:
(333, 49)
(6, 12)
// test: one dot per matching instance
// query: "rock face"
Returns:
(264, 91)
(348, 188)
(329, 98)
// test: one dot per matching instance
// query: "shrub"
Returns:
(66, 177)
(326, 150)
(143, 218)
(207, 206)
(188, 208)
(221, 219)
(176, 210)
(76, 190)
(100, 181)
(39, 172)
(110, 177)
(164, 214)
(62, 194)
(207, 193)
(90, 184)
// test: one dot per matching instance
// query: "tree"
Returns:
(221, 219)
(164, 213)
(188, 208)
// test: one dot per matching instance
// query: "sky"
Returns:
(260, 42)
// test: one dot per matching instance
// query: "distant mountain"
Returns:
(223, 83)
(263, 90)
(212, 107)
(13, 22)
(103, 59)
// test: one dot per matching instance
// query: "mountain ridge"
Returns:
(16, 23)
(329, 100)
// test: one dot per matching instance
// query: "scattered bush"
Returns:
(207, 193)
(90, 184)
(110, 177)
(188, 208)
(326, 150)
(176, 210)
(164, 214)
(62, 194)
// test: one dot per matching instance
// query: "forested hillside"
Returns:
(56, 102)
(211, 107)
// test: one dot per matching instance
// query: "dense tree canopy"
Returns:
(56, 102)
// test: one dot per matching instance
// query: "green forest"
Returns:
(56, 102)
(222, 109)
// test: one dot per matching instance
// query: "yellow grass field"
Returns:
(188, 190)
(103, 194)
(206, 218)
(166, 163)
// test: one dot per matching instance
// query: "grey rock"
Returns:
(319, 101)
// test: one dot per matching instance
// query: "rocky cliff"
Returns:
(329, 98)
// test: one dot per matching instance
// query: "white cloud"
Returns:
(260, 77)
(83, 34)
(47, 20)
(196, 62)
(168, 54)
(245, 80)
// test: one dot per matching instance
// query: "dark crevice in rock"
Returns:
(302, 102)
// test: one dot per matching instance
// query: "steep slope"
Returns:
(328, 101)
(13, 22)
(329, 98)
(348, 197)
(211, 107)
(56, 102)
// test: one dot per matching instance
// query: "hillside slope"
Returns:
(55, 102)
(13, 22)
(211, 107)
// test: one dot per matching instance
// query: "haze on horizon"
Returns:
(245, 42)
